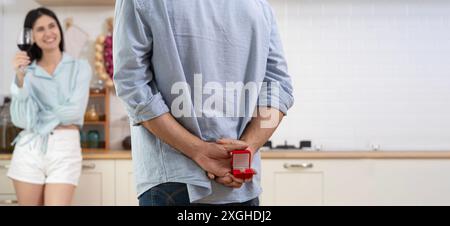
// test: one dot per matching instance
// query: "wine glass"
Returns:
(25, 41)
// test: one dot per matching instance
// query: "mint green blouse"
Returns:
(46, 101)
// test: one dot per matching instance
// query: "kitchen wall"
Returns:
(2, 87)
(365, 72)
(368, 73)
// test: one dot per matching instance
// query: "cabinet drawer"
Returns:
(96, 186)
(125, 185)
(294, 165)
(6, 186)
(315, 182)
(411, 182)
(292, 182)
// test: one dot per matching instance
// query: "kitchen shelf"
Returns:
(95, 122)
(101, 100)
(76, 2)
(97, 95)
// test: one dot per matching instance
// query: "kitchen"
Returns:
(371, 114)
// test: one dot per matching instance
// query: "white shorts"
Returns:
(61, 164)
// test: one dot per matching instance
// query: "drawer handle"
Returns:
(9, 202)
(89, 166)
(298, 166)
(4, 166)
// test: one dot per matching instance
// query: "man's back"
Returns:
(196, 56)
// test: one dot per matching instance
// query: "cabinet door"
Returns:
(7, 193)
(6, 185)
(8, 200)
(288, 183)
(125, 186)
(411, 182)
(347, 181)
(316, 182)
(97, 184)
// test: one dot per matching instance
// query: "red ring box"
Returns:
(241, 164)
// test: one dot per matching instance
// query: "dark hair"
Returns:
(35, 52)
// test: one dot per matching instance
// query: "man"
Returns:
(199, 78)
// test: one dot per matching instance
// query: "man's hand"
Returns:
(229, 180)
(230, 142)
(216, 158)
(255, 135)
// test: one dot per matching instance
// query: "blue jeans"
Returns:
(176, 194)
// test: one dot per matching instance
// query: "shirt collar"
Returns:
(40, 72)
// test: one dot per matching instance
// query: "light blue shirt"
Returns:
(161, 43)
(47, 101)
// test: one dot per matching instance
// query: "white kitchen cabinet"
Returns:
(314, 182)
(356, 182)
(6, 185)
(8, 200)
(411, 182)
(125, 186)
(291, 183)
(7, 193)
(106, 183)
(96, 186)
(347, 182)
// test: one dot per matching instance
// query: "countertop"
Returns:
(102, 154)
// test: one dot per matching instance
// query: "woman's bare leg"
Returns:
(29, 194)
(58, 194)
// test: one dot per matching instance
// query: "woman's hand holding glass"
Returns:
(20, 62)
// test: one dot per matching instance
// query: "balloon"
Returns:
(98, 64)
(110, 83)
(99, 48)
(104, 58)
(101, 39)
(98, 56)
(103, 76)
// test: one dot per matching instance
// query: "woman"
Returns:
(48, 102)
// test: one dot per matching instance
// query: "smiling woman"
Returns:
(48, 102)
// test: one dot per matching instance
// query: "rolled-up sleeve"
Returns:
(276, 91)
(133, 77)
(23, 108)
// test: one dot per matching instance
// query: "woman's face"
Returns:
(46, 33)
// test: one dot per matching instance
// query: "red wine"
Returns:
(24, 47)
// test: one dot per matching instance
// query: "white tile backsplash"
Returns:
(367, 72)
